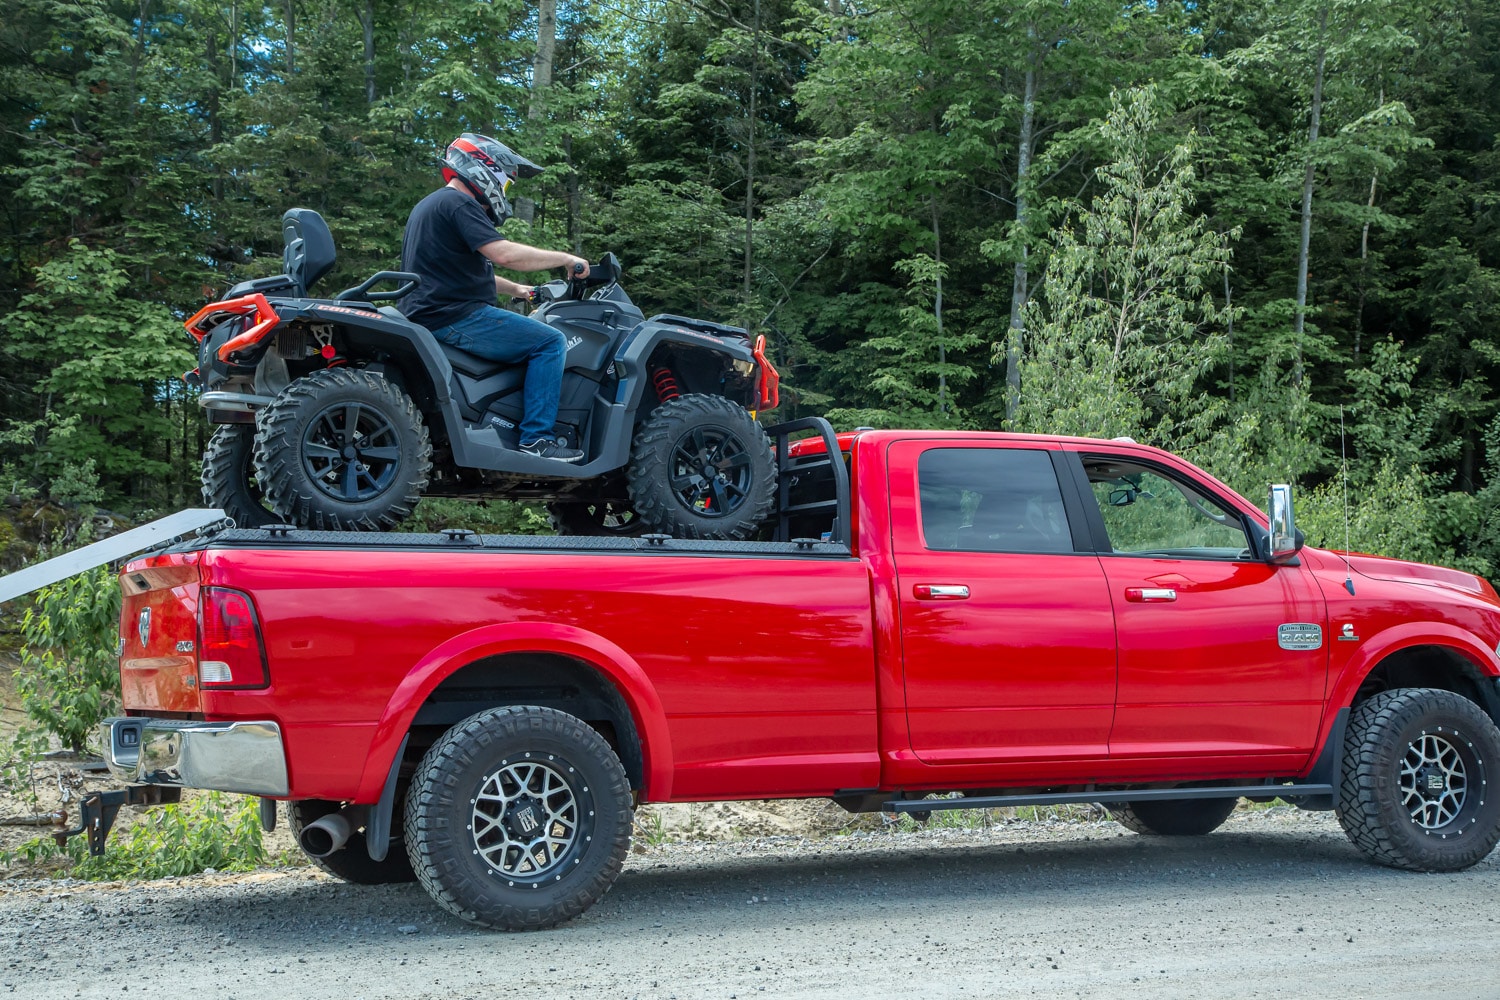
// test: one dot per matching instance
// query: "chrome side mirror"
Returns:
(1285, 540)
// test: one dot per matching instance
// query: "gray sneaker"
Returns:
(548, 448)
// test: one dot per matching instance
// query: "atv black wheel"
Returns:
(518, 818)
(342, 450)
(1173, 817)
(353, 863)
(701, 467)
(229, 477)
(1415, 790)
(595, 517)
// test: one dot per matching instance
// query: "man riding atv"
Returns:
(340, 412)
(452, 245)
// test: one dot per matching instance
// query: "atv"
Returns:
(340, 414)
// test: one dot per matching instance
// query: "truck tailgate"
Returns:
(159, 634)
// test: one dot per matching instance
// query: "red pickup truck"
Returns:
(1017, 619)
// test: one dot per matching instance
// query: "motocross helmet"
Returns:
(489, 168)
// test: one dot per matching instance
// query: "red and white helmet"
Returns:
(489, 168)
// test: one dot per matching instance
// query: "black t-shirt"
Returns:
(443, 237)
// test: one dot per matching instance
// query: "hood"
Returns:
(1400, 571)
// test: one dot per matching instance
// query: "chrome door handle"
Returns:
(940, 592)
(1150, 595)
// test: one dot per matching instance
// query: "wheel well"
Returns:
(699, 370)
(549, 680)
(1432, 667)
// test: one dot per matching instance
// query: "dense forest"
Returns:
(1265, 234)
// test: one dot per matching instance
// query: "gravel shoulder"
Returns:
(1277, 903)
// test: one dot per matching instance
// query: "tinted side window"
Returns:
(1148, 514)
(991, 500)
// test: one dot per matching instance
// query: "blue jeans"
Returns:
(500, 335)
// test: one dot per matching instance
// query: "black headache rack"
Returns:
(812, 492)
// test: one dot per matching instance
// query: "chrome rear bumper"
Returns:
(246, 757)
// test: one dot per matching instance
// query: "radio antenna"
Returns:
(1344, 461)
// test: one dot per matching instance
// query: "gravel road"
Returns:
(1277, 903)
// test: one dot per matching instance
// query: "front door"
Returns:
(1007, 635)
(1219, 653)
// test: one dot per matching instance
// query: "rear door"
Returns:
(1219, 653)
(1008, 640)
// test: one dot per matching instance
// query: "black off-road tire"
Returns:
(397, 452)
(459, 784)
(229, 477)
(1387, 734)
(607, 518)
(353, 864)
(1173, 817)
(667, 485)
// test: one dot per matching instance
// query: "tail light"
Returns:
(230, 653)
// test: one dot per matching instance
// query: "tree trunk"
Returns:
(1364, 265)
(1229, 330)
(575, 236)
(937, 309)
(541, 63)
(1307, 194)
(234, 45)
(291, 36)
(367, 22)
(1018, 287)
(750, 153)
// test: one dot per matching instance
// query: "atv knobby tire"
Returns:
(353, 863)
(518, 818)
(342, 450)
(1414, 791)
(1173, 817)
(701, 467)
(229, 477)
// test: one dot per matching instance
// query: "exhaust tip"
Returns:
(325, 836)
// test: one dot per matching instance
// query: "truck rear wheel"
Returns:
(1415, 787)
(342, 450)
(701, 467)
(1174, 817)
(229, 481)
(518, 818)
(353, 863)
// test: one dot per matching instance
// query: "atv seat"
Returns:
(471, 365)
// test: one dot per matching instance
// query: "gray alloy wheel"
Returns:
(518, 818)
(1415, 788)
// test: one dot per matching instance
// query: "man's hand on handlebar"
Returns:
(577, 267)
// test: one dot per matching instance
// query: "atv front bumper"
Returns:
(245, 757)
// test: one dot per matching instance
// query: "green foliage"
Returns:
(488, 517)
(1124, 329)
(69, 679)
(215, 830)
(847, 179)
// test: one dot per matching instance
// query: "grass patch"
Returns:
(215, 830)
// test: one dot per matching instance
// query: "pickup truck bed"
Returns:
(1018, 619)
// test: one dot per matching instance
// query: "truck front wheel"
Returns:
(1415, 791)
(518, 818)
(1174, 817)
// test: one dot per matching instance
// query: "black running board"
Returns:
(1108, 796)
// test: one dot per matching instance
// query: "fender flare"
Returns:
(1392, 640)
(618, 667)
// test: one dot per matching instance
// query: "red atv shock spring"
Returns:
(666, 385)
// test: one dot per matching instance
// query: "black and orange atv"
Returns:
(340, 414)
